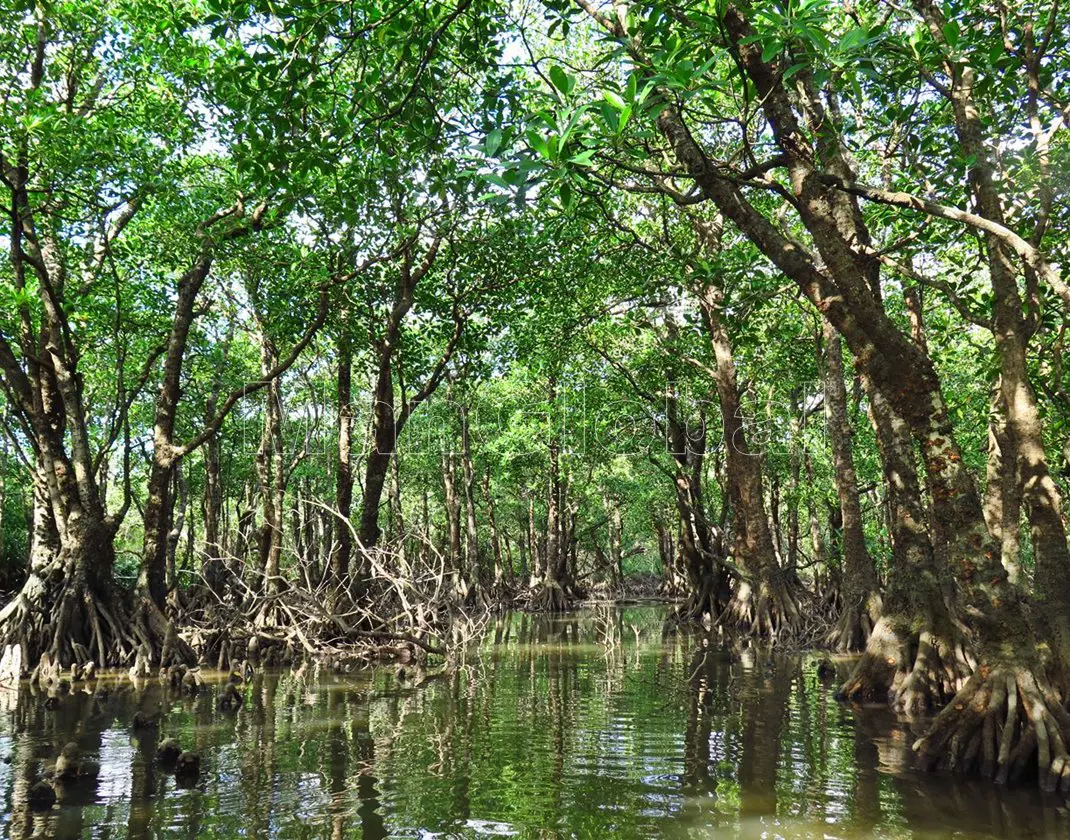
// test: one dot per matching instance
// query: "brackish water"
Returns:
(589, 726)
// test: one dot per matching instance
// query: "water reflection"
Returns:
(592, 725)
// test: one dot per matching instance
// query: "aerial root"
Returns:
(551, 597)
(774, 612)
(940, 669)
(1002, 723)
(854, 623)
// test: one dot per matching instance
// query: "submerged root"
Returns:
(886, 657)
(701, 607)
(1005, 721)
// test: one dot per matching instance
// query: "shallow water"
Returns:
(587, 726)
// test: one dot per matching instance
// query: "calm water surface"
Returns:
(587, 726)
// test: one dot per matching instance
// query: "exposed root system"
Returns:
(917, 673)
(1004, 723)
(854, 625)
(88, 624)
(774, 611)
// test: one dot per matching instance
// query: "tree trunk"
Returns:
(472, 555)
(1003, 492)
(500, 579)
(616, 531)
(861, 589)
(453, 524)
(397, 518)
(767, 603)
(271, 472)
(842, 286)
(159, 502)
(384, 433)
(181, 494)
(342, 545)
(553, 594)
(213, 567)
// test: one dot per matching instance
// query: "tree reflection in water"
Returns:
(589, 725)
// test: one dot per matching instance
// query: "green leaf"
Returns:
(853, 39)
(566, 194)
(495, 179)
(539, 144)
(770, 51)
(562, 80)
(951, 33)
(614, 100)
(494, 141)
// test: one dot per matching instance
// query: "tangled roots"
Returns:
(940, 669)
(916, 673)
(773, 611)
(854, 625)
(551, 597)
(1005, 721)
(69, 622)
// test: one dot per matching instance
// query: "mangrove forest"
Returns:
(541, 418)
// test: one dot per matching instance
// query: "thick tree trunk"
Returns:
(915, 656)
